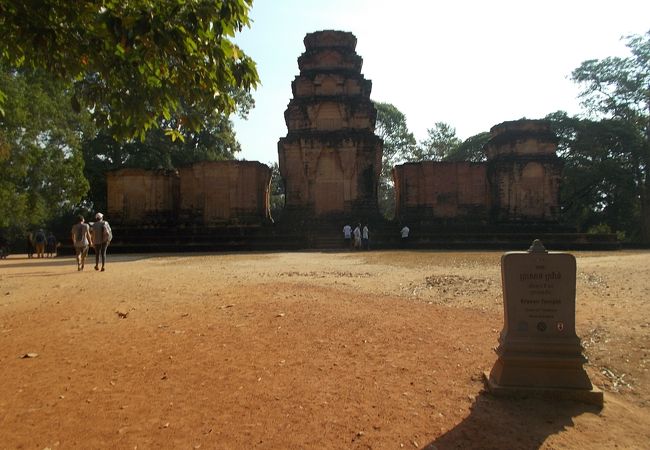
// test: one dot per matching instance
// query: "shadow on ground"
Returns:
(503, 423)
(17, 261)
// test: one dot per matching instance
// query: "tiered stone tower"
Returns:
(330, 159)
(524, 172)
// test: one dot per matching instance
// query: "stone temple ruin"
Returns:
(330, 158)
(209, 193)
(519, 183)
(330, 161)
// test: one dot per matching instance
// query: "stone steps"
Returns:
(329, 236)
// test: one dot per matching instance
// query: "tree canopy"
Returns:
(134, 64)
(399, 143)
(41, 165)
(471, 149)
(617, 89)
(598, 189)
(439, 144)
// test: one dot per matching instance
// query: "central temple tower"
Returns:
(330, 158)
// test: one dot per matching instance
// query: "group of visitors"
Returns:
(42, 244)
(356, 239)
(97, 234)
(84, 235)
(359, 238)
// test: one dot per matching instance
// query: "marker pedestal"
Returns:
(539, 351)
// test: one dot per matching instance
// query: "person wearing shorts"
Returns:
(81, 240)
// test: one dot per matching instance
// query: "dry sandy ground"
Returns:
(319, 350)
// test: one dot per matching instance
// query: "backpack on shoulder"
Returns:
(107, 234)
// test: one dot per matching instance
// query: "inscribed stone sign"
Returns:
(538, 346)
(539, 295)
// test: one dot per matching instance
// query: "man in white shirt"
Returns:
(347, 235)
(405, 235)
(357, 237)
(365, 237)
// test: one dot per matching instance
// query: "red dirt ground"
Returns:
(311, 350)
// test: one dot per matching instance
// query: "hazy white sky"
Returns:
(470, 63)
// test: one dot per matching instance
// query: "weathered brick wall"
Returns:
(140, 196)
(214, 192)
(524, 172)
(206, 193)
(519, 182)
(441, 190)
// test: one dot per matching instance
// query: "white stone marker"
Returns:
(539, 351)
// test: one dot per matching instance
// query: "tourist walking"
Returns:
(50, 245)
(365, 238)
(39, 243)
(82, 240)
(101, 237)
(347, 236)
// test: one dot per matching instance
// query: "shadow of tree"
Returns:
(15, 262)
(511, 423)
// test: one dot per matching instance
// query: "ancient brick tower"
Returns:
(330, 158)
(524, 172)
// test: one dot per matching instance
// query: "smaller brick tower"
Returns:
(523, 172)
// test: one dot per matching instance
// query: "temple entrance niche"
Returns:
(329, 185)
(330, 159)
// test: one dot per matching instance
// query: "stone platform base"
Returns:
(593, 397)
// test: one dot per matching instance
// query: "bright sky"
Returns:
(470, 63)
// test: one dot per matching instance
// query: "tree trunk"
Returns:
(645, 206)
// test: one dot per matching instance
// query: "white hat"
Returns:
(99, 216)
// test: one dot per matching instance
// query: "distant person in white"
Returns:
(347, 235)
(357, 237)
(405, 235)
(365, 237)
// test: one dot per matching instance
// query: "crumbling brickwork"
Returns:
(206, 193)
(524, 172)
(215, 192)
(141, 196)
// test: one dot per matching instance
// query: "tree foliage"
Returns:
(598, 189)
(41, 165)
(135, 64)
(399, 143)
(618, 90)
(440, 143)
(277, 199)
(471, 149)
